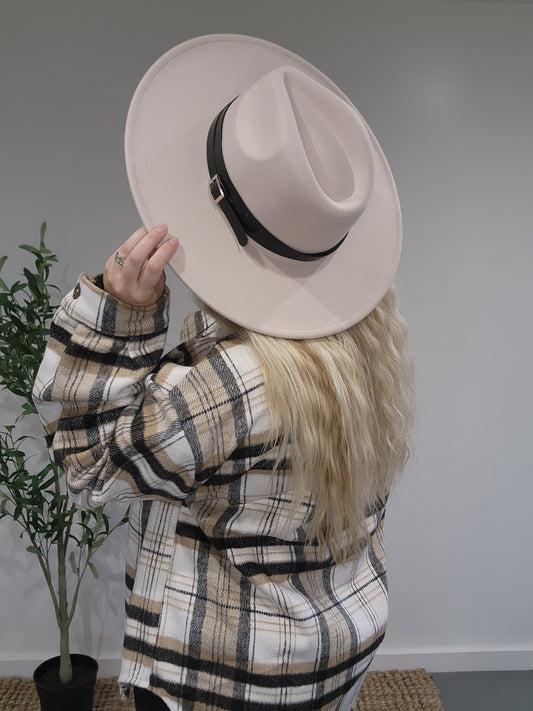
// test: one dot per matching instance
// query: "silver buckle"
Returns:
(215, 188)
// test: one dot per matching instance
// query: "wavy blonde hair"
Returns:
(342, 407)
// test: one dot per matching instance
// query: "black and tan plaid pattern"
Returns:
(226, 608)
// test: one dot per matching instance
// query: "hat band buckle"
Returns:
(215, 188)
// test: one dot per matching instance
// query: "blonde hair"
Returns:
(342, 408)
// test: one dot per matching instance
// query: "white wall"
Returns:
(447, 88)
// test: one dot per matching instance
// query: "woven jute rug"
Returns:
(411, 690)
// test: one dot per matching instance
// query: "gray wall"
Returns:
(447, 88)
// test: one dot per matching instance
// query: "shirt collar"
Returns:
(200, 324)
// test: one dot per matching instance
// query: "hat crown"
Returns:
(301, 158)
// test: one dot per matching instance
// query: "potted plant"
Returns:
(62, 538)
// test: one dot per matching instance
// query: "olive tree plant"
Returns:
(62, 538)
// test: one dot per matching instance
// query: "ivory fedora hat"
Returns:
(282, 199)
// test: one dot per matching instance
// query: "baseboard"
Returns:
(455, 660)
(433, 660)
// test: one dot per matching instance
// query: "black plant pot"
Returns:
(76, 696)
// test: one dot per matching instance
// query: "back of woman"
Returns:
(259, 453)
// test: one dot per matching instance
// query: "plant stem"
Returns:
(81, 573)
(44, 561)
(45, 567)
(65, 665)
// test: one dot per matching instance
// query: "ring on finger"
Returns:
(121, 261)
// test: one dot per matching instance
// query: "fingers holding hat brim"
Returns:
(132, 241)
(135, 274)
(139, 247)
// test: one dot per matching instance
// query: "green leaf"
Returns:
(35, 283)
(47, 483)
(93, 569)
(28, 409)
(3, 261)
(34, 550)
(47, 468)
(29, 248)
(16, 287)
(73, 565)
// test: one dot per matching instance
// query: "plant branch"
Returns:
(39, 502)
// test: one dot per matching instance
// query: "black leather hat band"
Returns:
(227, 197)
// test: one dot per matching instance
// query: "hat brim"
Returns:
(165, 148)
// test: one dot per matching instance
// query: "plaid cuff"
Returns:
(106, 314)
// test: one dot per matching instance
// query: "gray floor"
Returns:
(486, 691)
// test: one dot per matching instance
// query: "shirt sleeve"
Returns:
(122, 421)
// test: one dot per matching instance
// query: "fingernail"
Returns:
(173, 241)
(161, 228)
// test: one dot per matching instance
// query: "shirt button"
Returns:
(77, 291)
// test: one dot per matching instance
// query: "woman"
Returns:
(259, 453)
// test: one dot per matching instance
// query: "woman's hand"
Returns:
(136, 271)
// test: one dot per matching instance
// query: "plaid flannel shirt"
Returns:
(226, 608)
